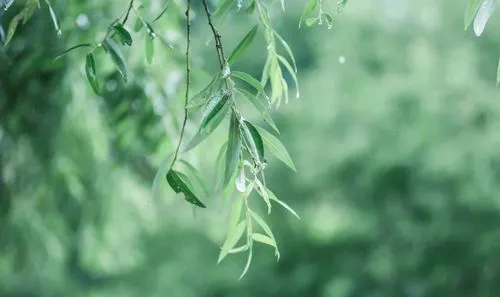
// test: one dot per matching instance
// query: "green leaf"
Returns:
(498, 73)
(483, 15)
(178, 185)
(193, 173)
(54, 18)
(138, 25)
(202, 134)
(234, 227)
(329, 19)
(292, 73)
(273, 197)
(311, 21)
(263, 239)
(223, 9)
(251, 8)
(71, 49)
(116, 56)
(123, 34)
(471, 11)
(263, 193)
(253, 141)
(275, 147)
(149, 48)
(164, 166)
(288, 49)
(91, 73)
(249, 80)
(308, 10)
(231, 240)
(262, 107)
(12, 27)
(201, 97)
(233, 148)
(247, 265)
(214, 106)
(265, 228)
(243, 45)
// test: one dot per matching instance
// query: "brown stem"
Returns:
(188, 79)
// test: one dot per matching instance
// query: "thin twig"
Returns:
(131, 4)
(188, 79)
(217, 37)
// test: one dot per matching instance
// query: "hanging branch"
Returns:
(188, 79)
(217, 37)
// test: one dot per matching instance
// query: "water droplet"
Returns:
(82, 21)
(240, 182)
(59, 33)
(342, 60)
(226, 71)
(330, 26)
(320, 22)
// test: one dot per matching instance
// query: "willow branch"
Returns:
(217, 37)
(188, 78)
(130, 5)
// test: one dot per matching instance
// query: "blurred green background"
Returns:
(395, 137)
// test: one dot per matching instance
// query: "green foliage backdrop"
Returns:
(394, 139)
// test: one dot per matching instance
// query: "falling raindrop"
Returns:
(82, 21)
(342, 60)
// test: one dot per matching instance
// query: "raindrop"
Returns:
(59, 33)
(82, 21)
(342, 60)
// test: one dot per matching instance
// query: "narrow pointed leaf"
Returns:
(91, 73)
(233, 148)
(247, 265)
(276, 148)
(288, 50)
(249, 80)
(265, 227)
(123, 35)
(138, 25)
(498, 72)
(273, 197)
(214, 106)
(54, 17)
(194, 174)
(253, 141)
(178, 185)
(165, 164)
(310, 7)
(262, 106)
(243, 45)
(263, 239)
(117, 57)
(263, 193)
(209, 128)
(471, 12)
(223, 9)
(12, 28)
(149, 39)
(231, 240)
(291, 71)
(483, 15)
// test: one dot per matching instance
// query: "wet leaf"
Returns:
(116, 56)
(91, 73)
(275, 147)
(253, 140)
(123, 35)
(233, 148)
(243, 45)
(181, 186)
